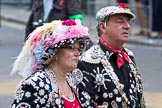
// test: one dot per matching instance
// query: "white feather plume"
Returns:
(25, 59)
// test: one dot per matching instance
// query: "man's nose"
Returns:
(127, 24)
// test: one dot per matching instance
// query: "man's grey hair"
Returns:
(105, 21)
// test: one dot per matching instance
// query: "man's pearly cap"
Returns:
(111, 10)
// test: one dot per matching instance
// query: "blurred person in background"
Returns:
(48, 56)
(142, 17)
(110, 77)
(44, 11)
(30, 4)
(156, 19)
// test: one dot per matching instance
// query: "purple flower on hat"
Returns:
(69, 22)
(48, 42)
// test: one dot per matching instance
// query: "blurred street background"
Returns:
(13, 17)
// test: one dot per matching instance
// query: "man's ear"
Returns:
(102, 27)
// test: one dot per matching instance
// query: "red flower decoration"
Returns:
(122, 5)
(69, 22)
(61, 2)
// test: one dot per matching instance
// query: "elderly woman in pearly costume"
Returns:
(49, 54)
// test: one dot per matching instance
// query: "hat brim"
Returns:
(130, 15)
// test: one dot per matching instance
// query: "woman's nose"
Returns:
(77, 52)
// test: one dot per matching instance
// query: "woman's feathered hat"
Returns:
(44, 42)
